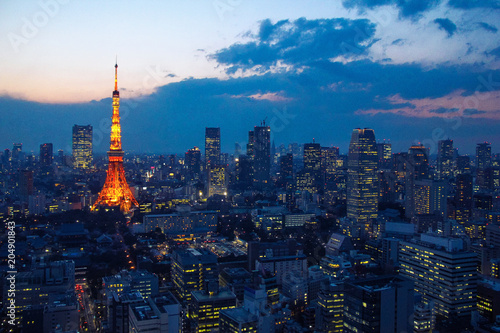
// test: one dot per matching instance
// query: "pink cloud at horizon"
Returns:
(269, 96)
(477, 105)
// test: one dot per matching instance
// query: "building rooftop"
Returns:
(240, 315)
(143, 312)
(163, 301)
(202, 296)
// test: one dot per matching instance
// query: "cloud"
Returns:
(446, 25)
(297, 43)
(469, 4)
(398, 42)
(495, 52)
(455, 104)
(470, 112)
(269, 96)
(443, 110)
(407, 8)
(487, 27)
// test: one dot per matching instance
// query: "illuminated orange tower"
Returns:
(116, 191)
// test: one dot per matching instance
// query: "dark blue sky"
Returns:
(417, 72)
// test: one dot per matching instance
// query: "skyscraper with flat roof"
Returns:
(362, 179)
(46, 154)
(212, 146)
(193, 163)
(444, 273)
(483, 155)
(445, 158)
(463, 198)
(261, 150)
(312, 164)
(191, 270)
(217, 180)
(379, 304)
(82, 146)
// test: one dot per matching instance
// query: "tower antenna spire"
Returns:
(116, 74)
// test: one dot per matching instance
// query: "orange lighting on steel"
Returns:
(116, 191)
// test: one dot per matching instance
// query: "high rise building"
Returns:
(464, 202)
(444, 273)
(312, 164)
(330, 313)
(46, 154)
(384, 152)
(116, 191)
(16, 150)
(217, 180)
(329, 157)
(379, 304)
(82, 146)
(6, 158)
(286, 166)
(192, 270)
(483, 155)
(61, 159)
(463, 164)
(362, 187)
(430, 197)
(205, 306)
(25, 184)
(193, 163)
(261, 149)
(445, 158)
(417, 168)
(244, 172)
(483, 165)
(212, 146)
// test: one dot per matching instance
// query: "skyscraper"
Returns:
(463, 198)
(16, 150)
(46, 154)
(384, 151)
(312, 163)
(261, 147)
(463, 164)
(483, 155)
(445, 158)
(430, 197)
(286, 166)
(82, 146)
(25, 184)
(483, 163)
(443, 272)
(212, 146)
(192, 270)
(379, 304)
(362, 187)
(217, 180)
(193, 163)
(417, 169)
(116, 191)
(418, 162)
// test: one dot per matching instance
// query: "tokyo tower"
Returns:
(116, 191)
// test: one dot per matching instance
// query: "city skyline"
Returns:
(284, 166)
(314, 70)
